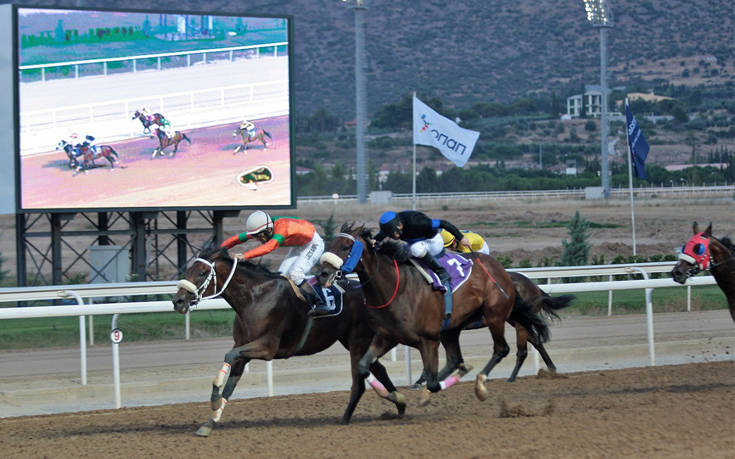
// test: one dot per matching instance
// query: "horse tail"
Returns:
(549, 304)
(267, 134)
(183, 136)
(523, 313)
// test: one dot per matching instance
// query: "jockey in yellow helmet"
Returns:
(477, 243)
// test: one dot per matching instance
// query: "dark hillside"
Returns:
(485, 50)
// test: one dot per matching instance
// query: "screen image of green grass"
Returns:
(64, 331)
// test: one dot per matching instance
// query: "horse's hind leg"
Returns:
(429, 350)
(544, 355)
(522, 350)
(496, 324)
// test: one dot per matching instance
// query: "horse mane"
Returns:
(392, 249)
(728, 243)
(246, 266)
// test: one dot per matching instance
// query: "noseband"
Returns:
(198, 292)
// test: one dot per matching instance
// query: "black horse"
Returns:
(271, 322)
(705, 252)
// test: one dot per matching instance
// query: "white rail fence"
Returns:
(215, 55)
(81, 310)
(41, 130)
(575, 193)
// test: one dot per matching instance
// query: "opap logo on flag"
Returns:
(434, 130)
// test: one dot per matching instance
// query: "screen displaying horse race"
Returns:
(122, 110)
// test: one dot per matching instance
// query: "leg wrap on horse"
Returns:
(377, 386)
(218, 413)
(219, 380)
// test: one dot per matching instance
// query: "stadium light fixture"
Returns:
(599, 15)
(360, 97)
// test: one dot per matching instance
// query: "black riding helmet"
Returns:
(389, 223)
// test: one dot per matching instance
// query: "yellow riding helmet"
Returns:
(447, 237)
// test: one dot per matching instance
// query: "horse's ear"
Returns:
(708, 231)
(695, 228)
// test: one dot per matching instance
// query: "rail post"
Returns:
(649, 318)
(116, 338)
(82, 335)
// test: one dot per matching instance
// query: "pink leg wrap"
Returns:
(449, 382)
(377, 386)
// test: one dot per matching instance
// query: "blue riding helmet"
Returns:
(389, 223)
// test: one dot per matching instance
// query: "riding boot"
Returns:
(444, 277)
(318, 306)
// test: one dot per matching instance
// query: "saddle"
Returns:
(332, 296)
(458, 267)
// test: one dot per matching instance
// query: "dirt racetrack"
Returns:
(668, 411)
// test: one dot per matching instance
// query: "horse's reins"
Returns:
(199, 291)
(347, 266)
(482, 265)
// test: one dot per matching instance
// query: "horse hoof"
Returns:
(205, 429)
(480, 389)
(463, 369)
(400, 401)
(425, 396)
(417, 386)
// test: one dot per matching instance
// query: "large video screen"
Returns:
(131, 110)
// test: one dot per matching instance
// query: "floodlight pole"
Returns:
(600, 16)
(360, 100)
(603, 114)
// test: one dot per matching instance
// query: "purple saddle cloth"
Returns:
(458, 267)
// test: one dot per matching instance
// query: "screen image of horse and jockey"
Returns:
(123, 110)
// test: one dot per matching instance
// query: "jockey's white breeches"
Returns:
(434, 246)
(300, 260)
(484, 249)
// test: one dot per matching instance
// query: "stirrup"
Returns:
(319, 309)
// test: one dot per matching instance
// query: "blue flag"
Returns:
(637, 143)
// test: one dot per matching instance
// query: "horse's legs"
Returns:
(521, 352)
(429, 350)
(231, 371)
(383, 386)
(381, 375)
(544, 355)
(496, 324)
(450, 341)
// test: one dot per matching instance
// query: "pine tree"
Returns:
(577, 249)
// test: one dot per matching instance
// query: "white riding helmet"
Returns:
(257, 222)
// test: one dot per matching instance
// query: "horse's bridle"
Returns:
(198, 292)
(347, 266)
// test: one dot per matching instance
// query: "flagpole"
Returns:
(413, 176)
(630, 179)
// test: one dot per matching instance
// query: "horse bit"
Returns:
(198, 292)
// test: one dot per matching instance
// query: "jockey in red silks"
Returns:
(306, 247)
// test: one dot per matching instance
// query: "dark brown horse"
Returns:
(82, 156)
(705, 252)
(259, 136)
(271, 322)
(148, 120)
(165, 141)
(403, 309)
(539, 302)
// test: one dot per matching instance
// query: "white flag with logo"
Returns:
(432, 129)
